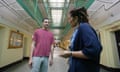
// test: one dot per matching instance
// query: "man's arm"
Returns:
(31, 52)
(32, 48)
(51, 55)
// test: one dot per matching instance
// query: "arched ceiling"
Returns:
(12, 14)
(27, 14)
(55, 10)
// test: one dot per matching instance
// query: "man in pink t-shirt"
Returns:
(41, 50)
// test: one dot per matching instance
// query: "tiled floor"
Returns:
(60, 65)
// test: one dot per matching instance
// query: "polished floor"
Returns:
(60, 65)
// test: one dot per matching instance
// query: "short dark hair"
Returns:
(44, 19)
(81, 13)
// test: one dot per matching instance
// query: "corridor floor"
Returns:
(60, 65)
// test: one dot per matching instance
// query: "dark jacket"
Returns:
(86, 40)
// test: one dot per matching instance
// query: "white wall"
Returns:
(27, 45)
(1, 40)
(105, 17)
(8, 56)
(109, 56)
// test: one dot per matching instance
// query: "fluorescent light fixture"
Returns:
(56, 3)
(56, 31)
(56, 16)
(68, 1)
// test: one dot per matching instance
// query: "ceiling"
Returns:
(55, 10)
(14, 15)
(28, 14)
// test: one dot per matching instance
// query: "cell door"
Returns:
(117, 35)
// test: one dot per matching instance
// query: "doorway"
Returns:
(24, 47)
(1, 38)
(117, 35)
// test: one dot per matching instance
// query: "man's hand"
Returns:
(30, 63)
(50, 62)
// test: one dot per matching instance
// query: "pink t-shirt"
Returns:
(43, 41)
